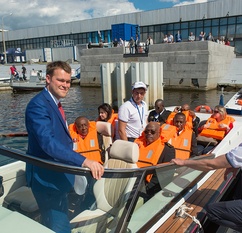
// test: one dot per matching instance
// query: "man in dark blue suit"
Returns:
(49, 138)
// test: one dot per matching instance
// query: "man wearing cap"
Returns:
(133, 114)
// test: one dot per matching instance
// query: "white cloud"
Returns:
(32, 13)
(183, 3)
(190, 2)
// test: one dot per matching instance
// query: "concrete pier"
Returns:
(198, 65)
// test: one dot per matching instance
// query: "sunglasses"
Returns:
(149, 131)
(215, 111)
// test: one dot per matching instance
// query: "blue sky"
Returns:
(152, 4)
(33, 13)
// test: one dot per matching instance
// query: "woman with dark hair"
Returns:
(106, 113)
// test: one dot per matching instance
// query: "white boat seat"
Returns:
(12, 221)
(111, 194)
(23, 201)
(105, 129)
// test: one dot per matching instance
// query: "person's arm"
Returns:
(204, 164)
(121, 129)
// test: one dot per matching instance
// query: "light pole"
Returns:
(4, 45)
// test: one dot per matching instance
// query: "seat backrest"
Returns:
(105, 129)
(123, 154)
(111, 194)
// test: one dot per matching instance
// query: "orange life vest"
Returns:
(213, 130)
(168, 132)
(182, 144)
(149, 154)
(239, 101)
(114, 117)
(113, 121)
(189, 119)
(87, 146)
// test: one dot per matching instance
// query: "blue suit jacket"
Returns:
(49, 138)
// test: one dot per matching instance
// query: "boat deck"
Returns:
(212, 190)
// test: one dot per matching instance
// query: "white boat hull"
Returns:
(232, 105)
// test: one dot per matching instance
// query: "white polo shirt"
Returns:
(135, 116)
(234, 157)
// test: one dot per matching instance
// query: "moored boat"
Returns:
(234, 105)
(120, 203)
(35, 82)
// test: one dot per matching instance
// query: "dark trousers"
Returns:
(228, 213)
(53, 206)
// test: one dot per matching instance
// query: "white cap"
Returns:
(139, 84)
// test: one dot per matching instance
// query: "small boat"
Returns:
(234, 105)
(35, 82)
(118, 202)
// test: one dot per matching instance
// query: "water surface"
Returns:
(84, 101)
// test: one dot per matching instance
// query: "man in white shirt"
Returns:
(133, 113)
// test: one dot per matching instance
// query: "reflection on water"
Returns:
(85, 101)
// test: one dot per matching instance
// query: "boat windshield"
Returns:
(124, 200)
(13, 142)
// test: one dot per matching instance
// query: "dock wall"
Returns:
(196, 65)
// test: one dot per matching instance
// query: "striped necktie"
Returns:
(61, 111)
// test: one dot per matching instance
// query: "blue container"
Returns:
(124, 31)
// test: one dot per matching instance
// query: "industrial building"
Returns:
(222, 18)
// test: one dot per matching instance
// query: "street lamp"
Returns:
(4, 45)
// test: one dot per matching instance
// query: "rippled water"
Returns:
(85, 101)
(80, 101)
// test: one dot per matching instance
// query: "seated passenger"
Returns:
(106, 113)
(192, 121)
(152, 152)
(87, 140)
(185, 142)
(160, 114)
(217, 126)
(151, 144)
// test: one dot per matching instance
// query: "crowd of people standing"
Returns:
(136, 46)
